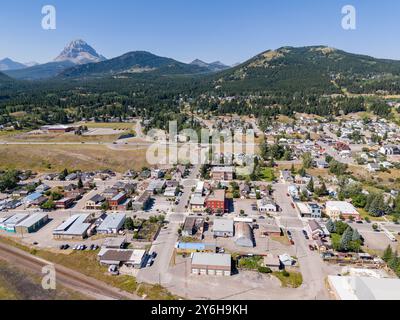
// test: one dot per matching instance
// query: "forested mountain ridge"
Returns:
(316, 69)
(316, 80)
(131, 64)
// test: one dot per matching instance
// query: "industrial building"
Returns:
(244, 235)
(112, 224)
(10, 223)
(129, 258)
(191, 247)
(212, 264)
(32, 223)
(76, 227)
(364, 288)
(223, 228)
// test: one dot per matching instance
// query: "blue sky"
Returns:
(227, 30)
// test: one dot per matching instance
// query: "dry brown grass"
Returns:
(45, 158)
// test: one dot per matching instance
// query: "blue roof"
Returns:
(32, 197)
(193, 246)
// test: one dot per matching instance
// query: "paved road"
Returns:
(64, 276)
(311, 265)
(165, 243)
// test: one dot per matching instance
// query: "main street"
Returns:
(312, 267)
(164, 246)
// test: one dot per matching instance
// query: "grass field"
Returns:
(18, 285)
(116, 126)
(46, 158)
(294, 280)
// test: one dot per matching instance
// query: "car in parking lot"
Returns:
(113, 270)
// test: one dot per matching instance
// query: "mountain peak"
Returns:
(79, 52)
(214, 66)
(9, 64)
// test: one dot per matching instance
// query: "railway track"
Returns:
(64, 276)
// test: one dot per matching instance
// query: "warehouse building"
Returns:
(364, 288)
(32, 224)
(211, 264)
(244, 235)
(127, 257)
(191, 247)
(223, 228)
(10, 224)
(112, 224)
(75, 227)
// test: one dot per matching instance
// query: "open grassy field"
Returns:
(46, 158)
(18, 285)
(69, 137)
(293, 280)
(116, 126)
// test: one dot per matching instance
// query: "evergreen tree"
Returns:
(310, 185)
(356, 235)
(330, 225)
(387, 254)
(345, 241)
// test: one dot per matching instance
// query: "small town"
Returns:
(318, 212)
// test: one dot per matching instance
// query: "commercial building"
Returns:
(192, 226)
(112, 224)
(222, 173)
(212, 264)
(197, 203)
(95, 202)
(216, 201)
(309, 210)
(32, 223)
(364, 288)
(58, 128)
(142, 202)
(75, 227)
(117, 200)
(266, 205)
(127, 257)
(223, 228)
(64, 203)
(337, 209)
(10, 223)
(244, 235)
(191, 247)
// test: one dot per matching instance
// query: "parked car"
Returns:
(113, 270)
(311, 247)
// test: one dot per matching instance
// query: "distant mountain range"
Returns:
(78, 59)
(315, 69)
(8, 64)
(214, 66)
(131, 64)
(77, 52)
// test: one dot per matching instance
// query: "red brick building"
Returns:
(216, 202)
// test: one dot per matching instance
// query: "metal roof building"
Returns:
(75, 227)
(223, 228)
(244, 235)
(112, 224)
(211, 264)
(364, 288)
(32, 223)
(10, 224)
